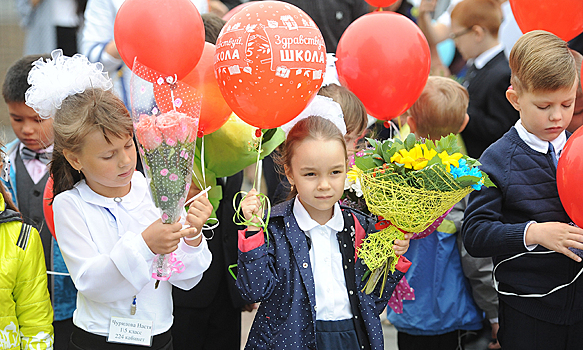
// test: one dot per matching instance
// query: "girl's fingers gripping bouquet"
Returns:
(410, 185)
(165, 114)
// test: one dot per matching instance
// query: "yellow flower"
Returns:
(452, 160)
(416, 158)
(352, 174)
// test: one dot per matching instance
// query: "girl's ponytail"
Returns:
(62, 170)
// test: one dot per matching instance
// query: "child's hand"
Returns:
(556, 236)
(401, 245)
(199, 212)
(164, 238)
(249, 206)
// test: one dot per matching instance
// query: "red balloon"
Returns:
(214, 111)
(164, 35)
(47, 208)
(269, 63)
(383, 57)
(569, 172)
(380, 3)
(564, 18)
(236, 9)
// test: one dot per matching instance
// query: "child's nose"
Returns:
(556, 114)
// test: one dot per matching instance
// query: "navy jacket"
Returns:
(494, 225)
(279, 275)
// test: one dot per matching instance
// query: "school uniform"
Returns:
(109, 261)
(26, 182)
(491, 115)
(523, 168)
(286, 271)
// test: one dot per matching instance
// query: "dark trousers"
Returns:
(217, 326)
(82, 340)
(336, 335)
(519, 331)
(63, 330)
(447, 341)
(67, 40)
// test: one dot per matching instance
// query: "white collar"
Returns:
(539, 145)
(487, 56)
(139, 189)
(306, 223)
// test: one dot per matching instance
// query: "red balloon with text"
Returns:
(270, 61)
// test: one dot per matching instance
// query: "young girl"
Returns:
(303, 270)
(26, 314)
(107, 225)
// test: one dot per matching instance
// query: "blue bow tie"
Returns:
(28, 154)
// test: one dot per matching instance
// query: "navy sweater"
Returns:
(494, 226)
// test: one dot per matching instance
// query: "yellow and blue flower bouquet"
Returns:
(409, 184)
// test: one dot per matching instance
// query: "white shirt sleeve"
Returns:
(126, 266)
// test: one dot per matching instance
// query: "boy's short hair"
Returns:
(441, 108)
(541, 61)
(16, 80)
(212, 27)
(484, 13)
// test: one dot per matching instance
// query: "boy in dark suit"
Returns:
(474, 28)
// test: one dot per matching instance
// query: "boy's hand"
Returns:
(402, 245)
(249, 206)
(164, 238)
(199, 212)
(556, 236)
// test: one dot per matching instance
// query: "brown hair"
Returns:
(313, 127)
(441, 108)
(355, 115)
(484, 13)
(16, 80)
(541, 61)
(212, 27)
(80, 115)
(578, 62)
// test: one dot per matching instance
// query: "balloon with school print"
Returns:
(270, 61)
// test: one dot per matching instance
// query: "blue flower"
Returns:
(464, 170)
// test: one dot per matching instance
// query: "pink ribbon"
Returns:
(431, 227)
(170, 265)
(403, 291)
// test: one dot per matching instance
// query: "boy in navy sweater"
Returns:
(521, 223)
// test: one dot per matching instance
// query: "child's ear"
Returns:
(73, 159)
(288, 174)
(464, 123)
(513, 98)
(412, 124)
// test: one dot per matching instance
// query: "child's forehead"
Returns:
(20, 109)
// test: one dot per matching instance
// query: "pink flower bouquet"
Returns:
(165, 114)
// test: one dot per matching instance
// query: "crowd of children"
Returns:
(503, 257)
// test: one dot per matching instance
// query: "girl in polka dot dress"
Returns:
(304, 271)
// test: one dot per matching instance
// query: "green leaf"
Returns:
(410, 142)
(468, 180)
(447, 143)
(378, 162)
(487, 181)
(364, 163)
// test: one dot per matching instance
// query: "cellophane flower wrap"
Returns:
(409, 184)
(165, 114)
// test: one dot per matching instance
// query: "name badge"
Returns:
(130, 331)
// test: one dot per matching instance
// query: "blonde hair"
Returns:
(314, 128)
(80, 115)
(484, 13)
(441, 108)
(541, 61)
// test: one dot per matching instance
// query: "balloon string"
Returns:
(200, 184)
(258, 163)
(264, 203)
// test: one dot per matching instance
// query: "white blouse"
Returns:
(109, 260)
(332, 303)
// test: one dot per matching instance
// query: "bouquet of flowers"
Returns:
(165, 114)
(409, 184)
